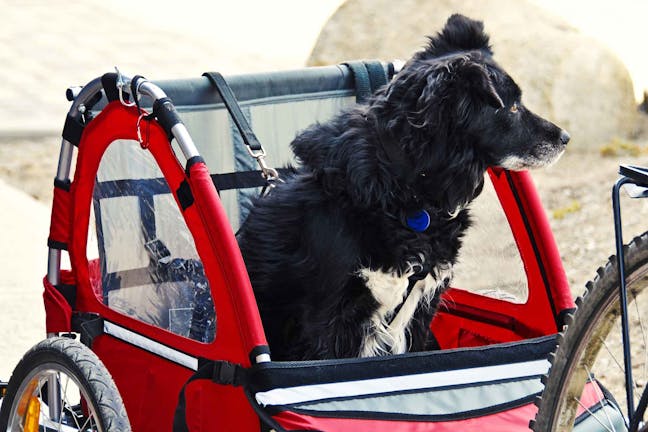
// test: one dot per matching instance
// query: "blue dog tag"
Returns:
(419, 220)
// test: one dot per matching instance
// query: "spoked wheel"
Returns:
(591, 348)
(60, 385)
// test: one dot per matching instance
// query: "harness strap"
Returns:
(226, 94)
(249, 138)
(244, 179)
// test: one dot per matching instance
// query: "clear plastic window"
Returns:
(489, 260)
(147, 265)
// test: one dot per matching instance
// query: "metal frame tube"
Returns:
(623, 297)
(179, 130)
(64, 167)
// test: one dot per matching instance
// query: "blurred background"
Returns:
(581, 63)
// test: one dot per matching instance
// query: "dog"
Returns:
(349, 256)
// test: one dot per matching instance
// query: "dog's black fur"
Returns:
(423, 141)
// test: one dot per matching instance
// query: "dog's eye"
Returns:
(514, 108)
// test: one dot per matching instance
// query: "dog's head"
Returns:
(454, 90)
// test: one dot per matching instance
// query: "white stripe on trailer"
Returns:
(150, 345)
(485, 374)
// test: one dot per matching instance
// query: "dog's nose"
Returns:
(564, 137)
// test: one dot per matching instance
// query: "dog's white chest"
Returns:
(386, 333)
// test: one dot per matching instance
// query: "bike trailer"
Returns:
(158, 290)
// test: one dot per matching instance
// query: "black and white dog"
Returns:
(379, 201)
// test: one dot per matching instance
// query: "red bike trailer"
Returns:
(135, 171)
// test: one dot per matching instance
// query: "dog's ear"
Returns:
(481, 83)
(458, 82)
(459, 34)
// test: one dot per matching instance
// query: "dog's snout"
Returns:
(564, 136)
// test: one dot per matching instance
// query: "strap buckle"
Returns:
(271, 175)
(226, 373)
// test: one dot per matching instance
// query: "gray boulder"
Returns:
(567, 77)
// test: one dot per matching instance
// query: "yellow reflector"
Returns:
(33, 415)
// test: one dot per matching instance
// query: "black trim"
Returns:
(166, 114)
(63, 184)
(109, 83)
(267, 376)
(54, 244)
(192, 161)
(185, 196)
(69, 292)
(88, 325)
(72, 130)
(536, 250)
(257, 351)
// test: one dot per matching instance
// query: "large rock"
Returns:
(567, 77)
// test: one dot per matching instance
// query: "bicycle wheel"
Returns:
(60, 385)
(591, 347)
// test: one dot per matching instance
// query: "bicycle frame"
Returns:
(639, 177)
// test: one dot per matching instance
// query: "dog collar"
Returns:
(418, 220)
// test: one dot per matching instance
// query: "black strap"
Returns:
(226, 94)
(88, 325)
(244, 179)
(218, 371)
(377, 75)
(369, 75)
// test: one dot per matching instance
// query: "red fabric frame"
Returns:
(239, 328)
(58, 312)
(469, 319)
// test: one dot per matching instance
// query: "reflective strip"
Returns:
(292, 395)
(436, 402)
(150, 345)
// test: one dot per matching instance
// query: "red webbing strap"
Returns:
(60, 222)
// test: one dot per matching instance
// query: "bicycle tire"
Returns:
(579, 344)
(61, 357)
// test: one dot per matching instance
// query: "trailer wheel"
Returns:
(591, 347)
(60, 384)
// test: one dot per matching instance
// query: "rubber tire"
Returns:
(76, 360)
(588, 321)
